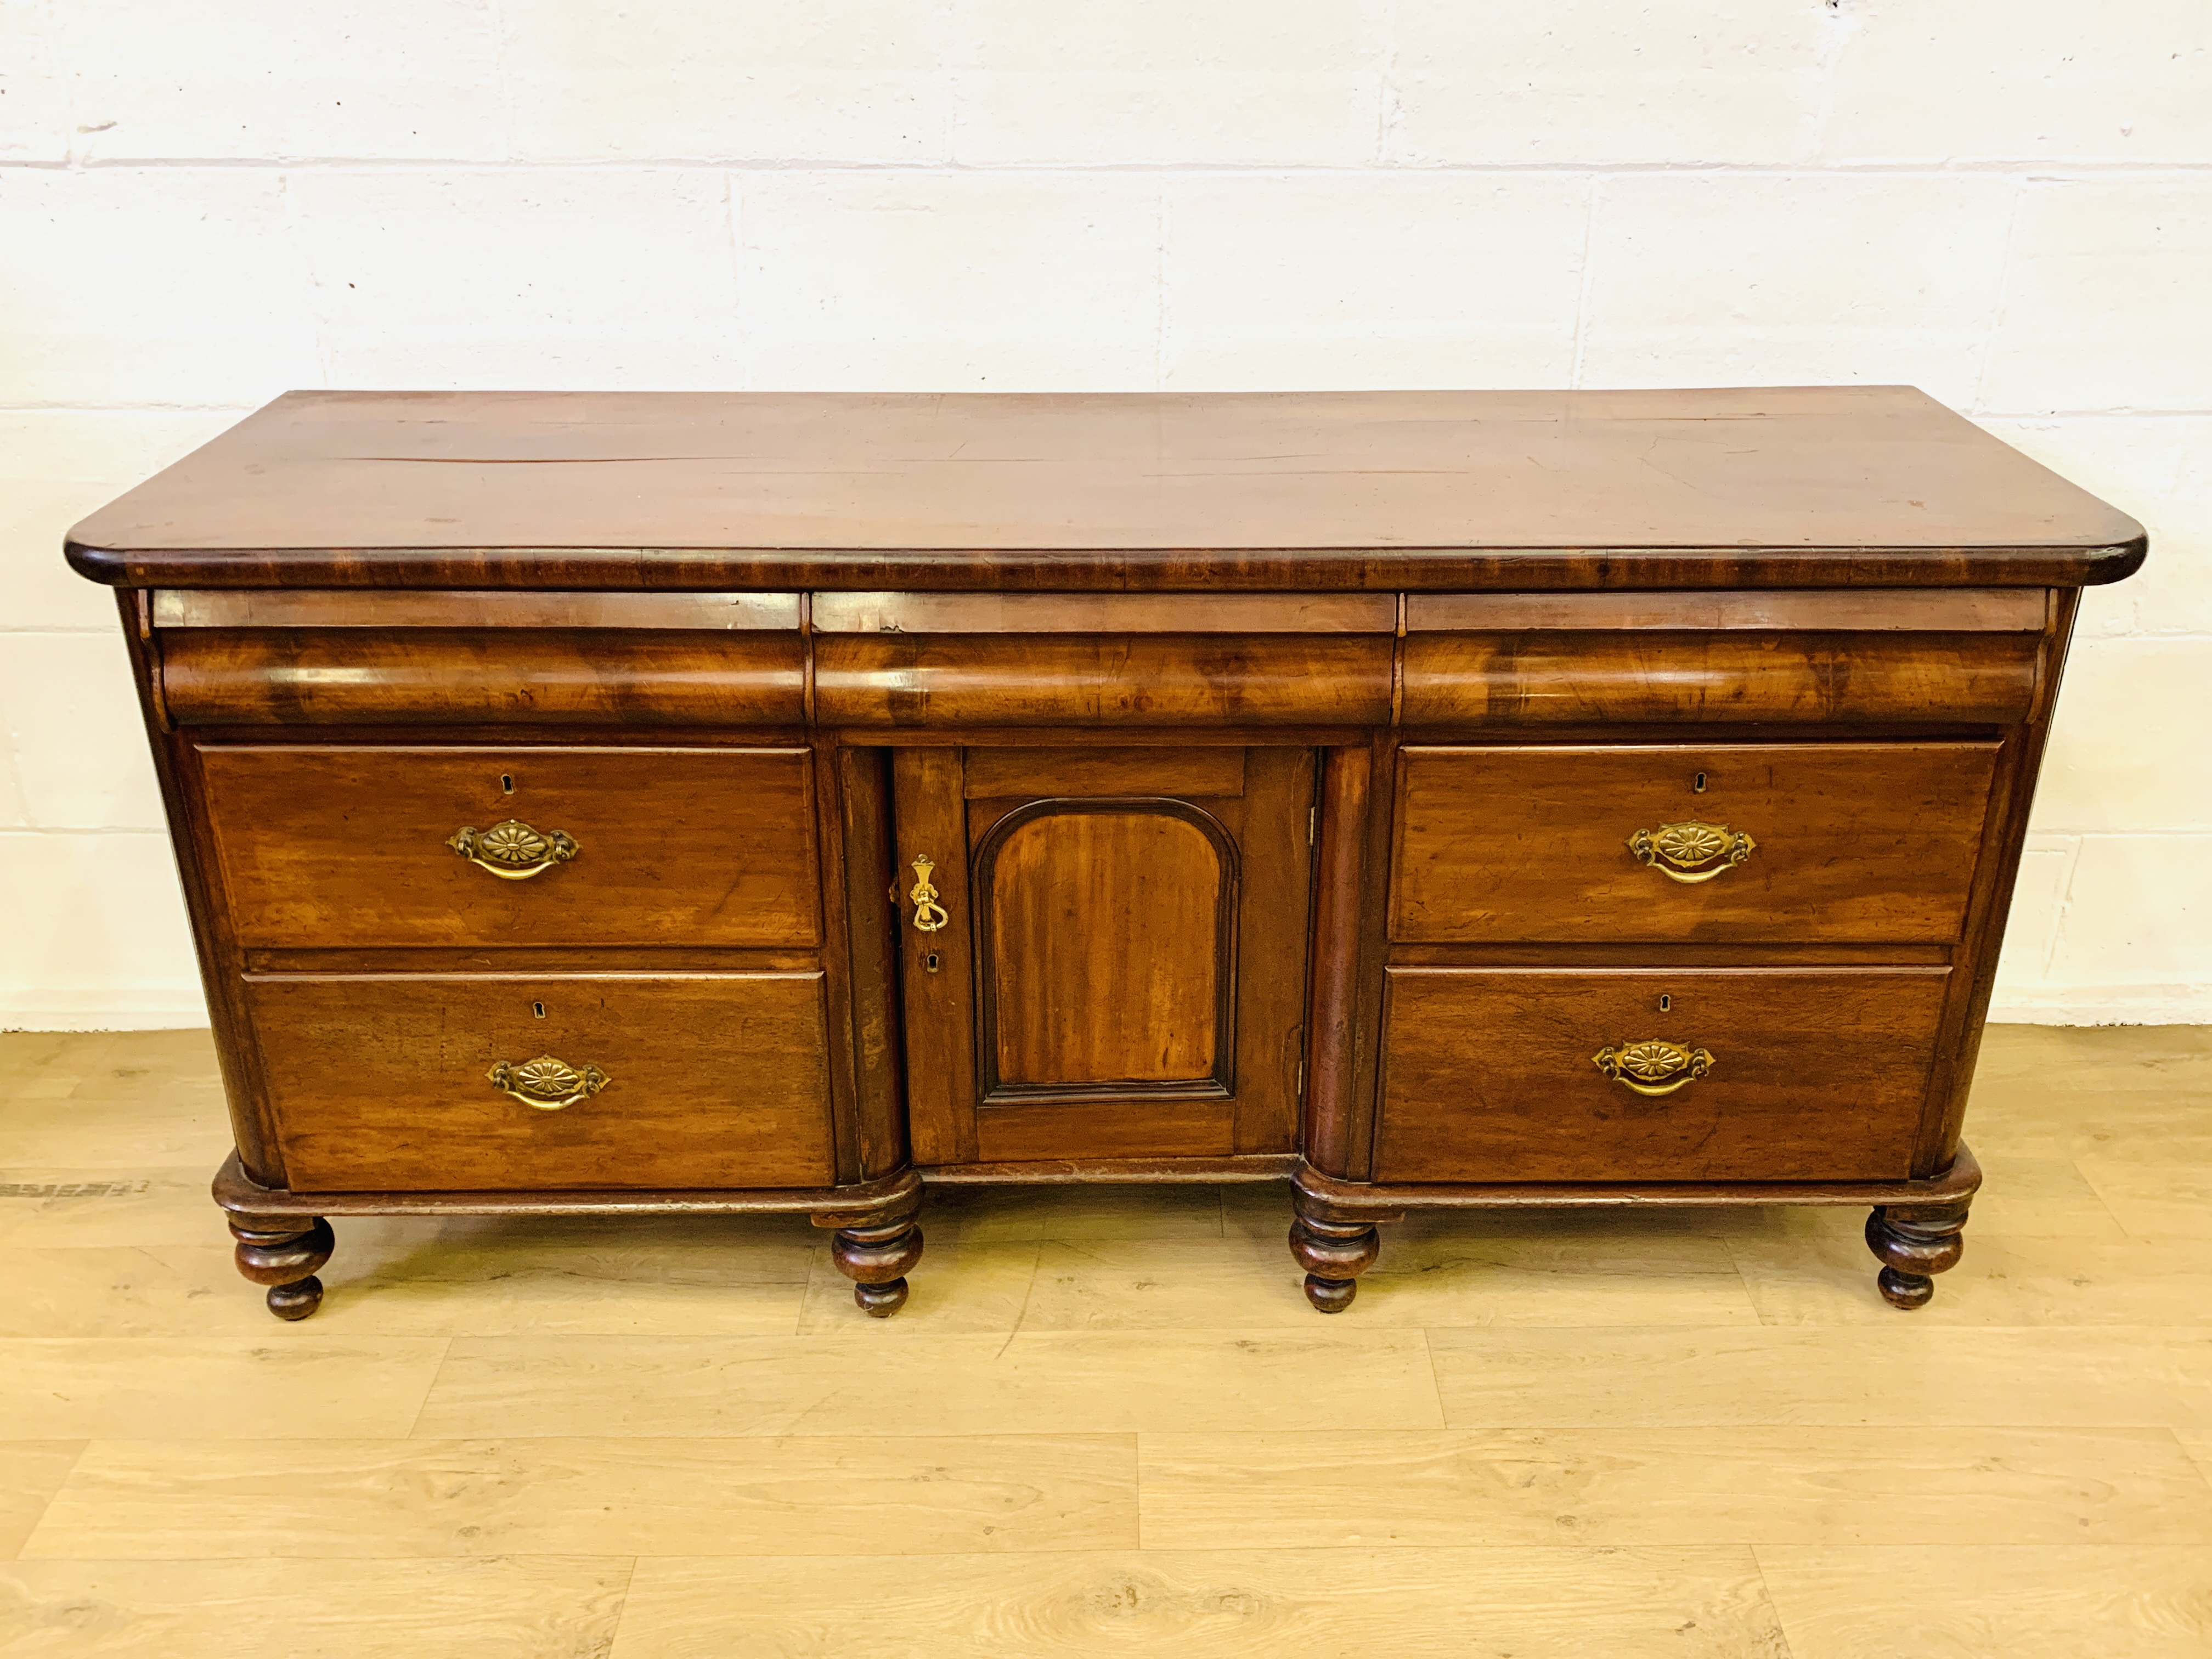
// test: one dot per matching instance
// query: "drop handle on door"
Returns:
(1653, 1068)
(928, 914)
(513, 851)
(1687, 852)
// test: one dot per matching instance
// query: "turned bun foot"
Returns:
(296, 1301)
(1333, 1252)
(877, 1258)
(284, 1253)
(1331, 1295)
(1906, 1290)
(1914, 1243)
(880, 1301)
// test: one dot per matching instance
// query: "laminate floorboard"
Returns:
(2038, 1601)
(1655, 1486)
(1106, 1421)
(546, 1607)
(844, 1496)
(1214, 1604)
(1123, 1381)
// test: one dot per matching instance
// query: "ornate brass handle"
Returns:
(513, 851)
(928, 914)
(546, 1083)
(1653, 1066)
(1688, 852)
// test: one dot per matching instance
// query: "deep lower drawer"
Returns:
(341, 848)
(712, 1081)
(1779, 842)
(1765, 1074)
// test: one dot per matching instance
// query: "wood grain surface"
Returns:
(1817, 1074)
(1222, 1604)
(1104, 613)
(1193, 907)
(346, 848)
(1102, 769)
(1434, 490)
(2002, 610)
(952, 680)
(716, 1080)
(481, 676)
(249, 607)
(1860, 842)
(1109, 949)
(1606, 678)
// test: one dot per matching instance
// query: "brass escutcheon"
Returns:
(547, 1084)
(1653, 1066)
(1686, 852)
(928, 914)
(513, 851)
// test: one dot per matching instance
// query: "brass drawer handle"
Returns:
(1686, 852)
(928, 914)
(513, 851)
(1653, 1068)
(546, 1083)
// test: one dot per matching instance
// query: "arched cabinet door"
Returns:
(1102, 950)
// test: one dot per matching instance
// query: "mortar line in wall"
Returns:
(7, 830)
(302, 249)
(240, 410)
(1582, 286)
(2085, 413)
(734, 235)
(2004, 289)
(49, 23)
(1836, 29)
(1386, 81)
(505, 80)
(2037, 166)
(2082, 836)
(1160, 287)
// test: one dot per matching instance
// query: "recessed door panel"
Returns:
(1110, 940)
(1121, 968)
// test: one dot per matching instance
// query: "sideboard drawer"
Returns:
(617, 676)
(1564, 677)
(712, 1080)
(1814, 1074)
(351, 847)
(1810, 842)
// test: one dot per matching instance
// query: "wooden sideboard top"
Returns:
(1424, 491)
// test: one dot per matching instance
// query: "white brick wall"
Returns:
(2008, 201)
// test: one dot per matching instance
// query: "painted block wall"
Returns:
(2010, 204)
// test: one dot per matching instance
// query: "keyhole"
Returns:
(539, 1009)
(506, 783)
(1666, 1003)
(929, 961)
(1698, 784)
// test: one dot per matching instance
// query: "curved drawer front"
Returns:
(922, 680)
(459, 676)
(387, 1083)
(1866, 843)
(1585, 678)
(353, 848)
(1752, 1074)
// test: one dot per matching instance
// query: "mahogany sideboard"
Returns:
(593, 803)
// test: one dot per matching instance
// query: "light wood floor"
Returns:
(1107, 1422)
